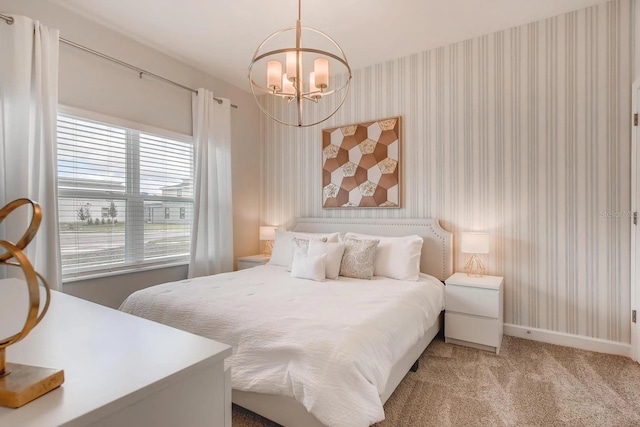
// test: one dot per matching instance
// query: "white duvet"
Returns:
(330, 345)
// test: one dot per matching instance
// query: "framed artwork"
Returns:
(360, 165)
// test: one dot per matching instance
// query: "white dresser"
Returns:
(120, 370)
(474, 311)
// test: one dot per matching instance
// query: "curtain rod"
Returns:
(9, 20)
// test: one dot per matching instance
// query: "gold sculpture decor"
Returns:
(20, 384)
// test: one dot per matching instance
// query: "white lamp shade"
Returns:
(267, 233)
(312, 82)
(291, 65)
(475, 243)
(287, 85)
(274, 74)
(321, 69)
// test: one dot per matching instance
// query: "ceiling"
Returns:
(220, 36)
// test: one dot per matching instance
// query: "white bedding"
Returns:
(330, 345)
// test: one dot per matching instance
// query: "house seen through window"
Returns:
(117, 189)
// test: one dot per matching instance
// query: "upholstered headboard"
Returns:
(437, 249)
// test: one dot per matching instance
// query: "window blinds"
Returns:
(125, 197)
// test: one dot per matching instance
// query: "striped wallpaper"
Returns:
(524, 133)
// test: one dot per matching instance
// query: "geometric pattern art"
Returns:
(360, 165)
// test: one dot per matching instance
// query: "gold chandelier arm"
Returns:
(270, 91)
(267, 113)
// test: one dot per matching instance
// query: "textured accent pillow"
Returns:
(301, 247)
(282, 252)
(396, 257)
(358, 259)
(334, 252)
(310, 267)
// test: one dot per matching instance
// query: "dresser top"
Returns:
(488, 282)
(110, 359)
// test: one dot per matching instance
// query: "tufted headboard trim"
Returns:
(437, 249)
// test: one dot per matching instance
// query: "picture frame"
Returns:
(361, 165)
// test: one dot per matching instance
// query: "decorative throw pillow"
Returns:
(358, 259)
(310, 267)
(282, 246)
(334, 252)
(301, 247)
(396, 257)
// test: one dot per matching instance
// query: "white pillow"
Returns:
(334, 252)
(396, 257)
(282, 252)
(309, 267)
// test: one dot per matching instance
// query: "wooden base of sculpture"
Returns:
(23, 383)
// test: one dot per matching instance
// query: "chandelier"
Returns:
(286, 96)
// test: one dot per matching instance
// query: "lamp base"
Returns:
(474, 267)
(23, 383)
(268, 247)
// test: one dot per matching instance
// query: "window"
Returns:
(182, 213)
(110, 180)
(179, 191)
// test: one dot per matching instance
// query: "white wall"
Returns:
(524, 133)
(95, 84)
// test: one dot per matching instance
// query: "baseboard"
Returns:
(568, 340)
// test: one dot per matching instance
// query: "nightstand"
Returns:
(474, 311)
(252, 261)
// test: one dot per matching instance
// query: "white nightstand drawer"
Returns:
(469, 300)
(480, 330)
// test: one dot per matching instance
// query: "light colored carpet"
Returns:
(528, 384)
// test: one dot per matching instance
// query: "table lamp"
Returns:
(267, 234)
(475, 243)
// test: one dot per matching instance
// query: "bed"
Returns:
(314, 353)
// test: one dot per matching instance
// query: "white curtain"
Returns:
(212, 232)
(28, 121)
